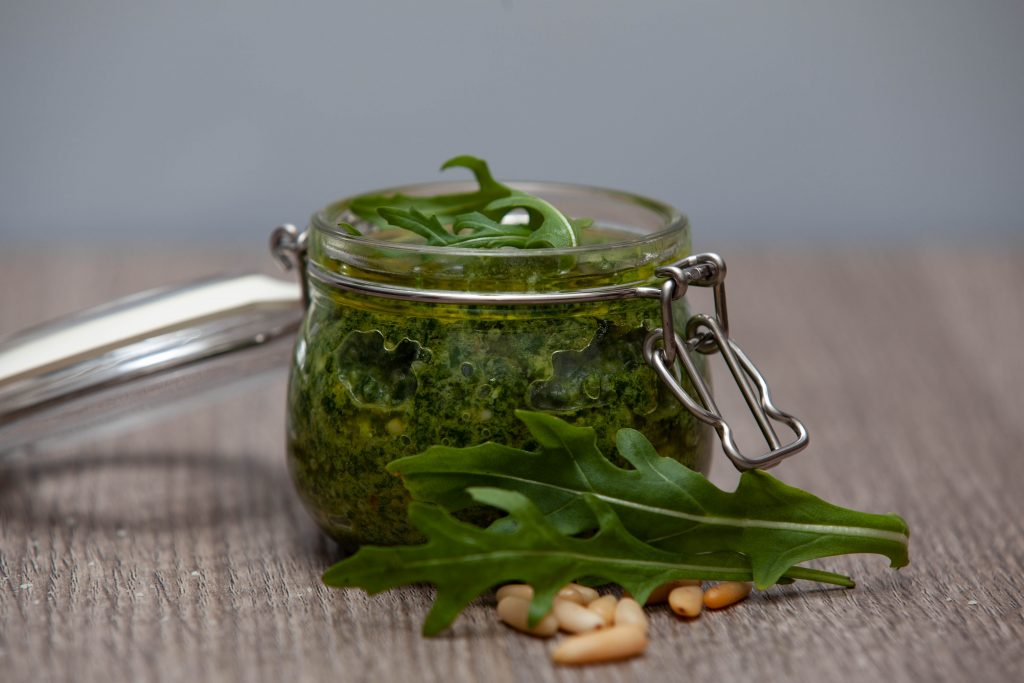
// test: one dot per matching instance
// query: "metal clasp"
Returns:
(288, 247)
(665, 350)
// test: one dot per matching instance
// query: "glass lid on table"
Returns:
(135, 358)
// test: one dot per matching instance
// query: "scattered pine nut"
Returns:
(588, 593)
(608, 628)
(575, 618)
(605, 645)
(571, 593)
(660, 594)
(629, 611)
(514, 611)
(604, 607)
(686, 601)
(525, 591)
(520, 590)
(726, 593)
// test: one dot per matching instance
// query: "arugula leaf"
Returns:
(486, 232)
(480, 171)
(463, 560)
(413, 220)
(660, 502)
(475, 217)
(445, 207)
(550, 226)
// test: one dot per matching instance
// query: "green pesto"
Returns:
(374, 381)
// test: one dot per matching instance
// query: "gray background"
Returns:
(216, 119)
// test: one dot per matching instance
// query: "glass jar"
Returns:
(405, 346)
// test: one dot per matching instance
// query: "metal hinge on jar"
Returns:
(288, 247)
(665, 350)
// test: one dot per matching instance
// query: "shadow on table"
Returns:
(156, 493)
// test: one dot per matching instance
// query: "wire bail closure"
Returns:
(288, 247)
(665, 350)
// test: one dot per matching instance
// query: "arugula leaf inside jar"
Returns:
(495, 216)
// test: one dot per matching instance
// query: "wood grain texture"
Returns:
(179, 552)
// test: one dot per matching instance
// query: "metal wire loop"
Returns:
(700, 270)
(668, 295)
(665, 351)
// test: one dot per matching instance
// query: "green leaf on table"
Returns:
(659, 501)
(463, 560)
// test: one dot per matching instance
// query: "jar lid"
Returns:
(136, 357)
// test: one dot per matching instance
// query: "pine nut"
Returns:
(575, 618)
(604, 607)
(726, 593)
(686, 601)
(520, 590)
(629, 611)
(617, 642)
(514, 611)
(525, 591)
(588, 593)
(660, 594)
(571, 593)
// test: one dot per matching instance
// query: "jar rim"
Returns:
(640, 234)
(673, 221)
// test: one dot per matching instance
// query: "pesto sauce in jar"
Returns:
(377, 379)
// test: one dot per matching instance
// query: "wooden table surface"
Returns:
(179, 551)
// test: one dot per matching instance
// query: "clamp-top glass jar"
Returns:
(405, 346)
